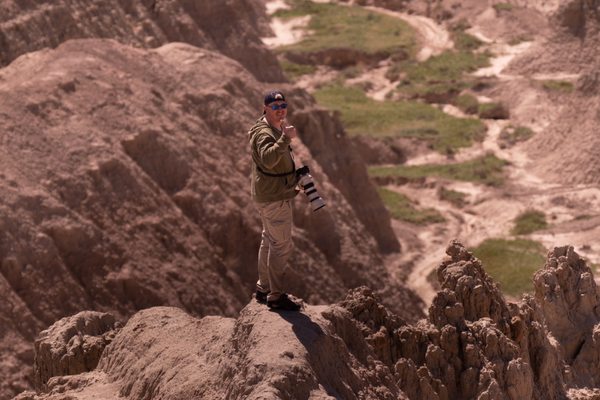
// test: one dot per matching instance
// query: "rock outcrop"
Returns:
(125, 186)
(72, 345)
(570, 301)
(231, 27)
(474, 345)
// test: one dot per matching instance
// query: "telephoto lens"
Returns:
(308, 187)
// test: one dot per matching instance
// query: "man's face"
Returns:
(276, 111)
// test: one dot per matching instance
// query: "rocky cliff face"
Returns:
(474, 345)
(125, 186)
(231, 27)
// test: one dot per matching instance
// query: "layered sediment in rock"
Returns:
(474, 345)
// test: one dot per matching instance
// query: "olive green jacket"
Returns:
(271, 155)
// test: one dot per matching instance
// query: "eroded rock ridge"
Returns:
(473, 345)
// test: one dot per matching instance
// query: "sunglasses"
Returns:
(276, 107)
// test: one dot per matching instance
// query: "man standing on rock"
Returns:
(273, 187)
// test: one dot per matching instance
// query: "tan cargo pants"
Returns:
(275, 247)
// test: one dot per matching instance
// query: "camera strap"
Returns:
(275, 175)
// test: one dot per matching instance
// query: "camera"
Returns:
(308, 187)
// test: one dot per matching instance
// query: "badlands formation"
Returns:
(128, 239)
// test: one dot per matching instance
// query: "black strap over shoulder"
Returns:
(275, 175)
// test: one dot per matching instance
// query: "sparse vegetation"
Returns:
(364, 116)
(529, 222)
(440, 78)
(467, 104)
(457, 199)
(486, 170)
(511, 263)
(335, 26)
(402, 208)
(519, 39)
(293, 70)
(448, 66)
(493, 111)
(512, 135)
(558, 86)
(499, 7)
(464, 41)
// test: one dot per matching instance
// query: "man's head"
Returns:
(275, 108)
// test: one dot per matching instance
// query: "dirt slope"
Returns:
(125, 186)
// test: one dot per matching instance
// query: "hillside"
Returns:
(231, 27)
(473, 345)
(566, 151)
(125, 186)
(128, 238)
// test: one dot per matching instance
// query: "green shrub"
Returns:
(467, 104)
(511, 263)
(457, 199)
(529, 222)
(367, 117)
(487, 170)
(402, 208)
(493, 111)
(558, 86)
(464, 41)
(499, 7)
(293, 70)
(511, 135)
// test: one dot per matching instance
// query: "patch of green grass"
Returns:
(440, 78)
(467, 104)
(402, 208)
(493, 111)
(437, 92)
(364, 116)
(511, 263)
(558, 86)
(457, 199)
(336, 26)
(529, 222)
(512, 135)
(293, 70)
(464, 41)
(448, 66)
(499, 7)
(487, 170)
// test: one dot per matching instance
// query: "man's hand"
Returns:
(288, 130)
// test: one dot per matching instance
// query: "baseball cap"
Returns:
(272, 96)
